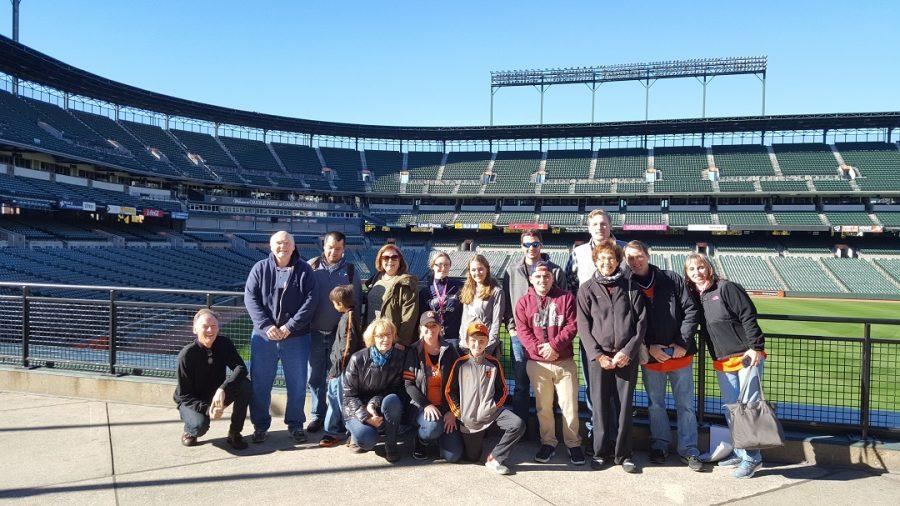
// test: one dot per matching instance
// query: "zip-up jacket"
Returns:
(347, 341)
(561, 321)
(415, 376)
(399, 303)
(327, 277)
(516, 284)
(729, 320)
(476, 391)
(489, 311)
(672, 313)
(610, 323)
(198, 380)
(451, 311)
(365, 383)
(293, 305)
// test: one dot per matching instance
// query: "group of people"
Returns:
(426, 356)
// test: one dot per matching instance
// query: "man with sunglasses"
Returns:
(516, 282)
(204, 389)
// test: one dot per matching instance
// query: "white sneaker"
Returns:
(496, 467)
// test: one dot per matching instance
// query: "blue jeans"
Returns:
(730, 385)
(451, 445)
(521, 401)
(334, 419)
(682, 381)
(293, 353)
(366, 436)
(319, 361)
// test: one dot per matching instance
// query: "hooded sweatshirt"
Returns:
(551, 319)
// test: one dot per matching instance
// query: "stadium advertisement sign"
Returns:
(121, 210)
(31, 203)
(154, 213)
(527, 226)
(707, 228)
(77, 206)
(466, 226)
(430, 226)
(645, 227)
(178, 215)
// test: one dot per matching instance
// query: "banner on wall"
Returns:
(154, 213)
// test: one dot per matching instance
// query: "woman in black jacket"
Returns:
(441, 295)
(736, 344)
(612, 321)
(373, 383)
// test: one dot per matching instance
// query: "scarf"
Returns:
(377, 358)
(608, 280)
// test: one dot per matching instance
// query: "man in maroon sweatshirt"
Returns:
(546, 324)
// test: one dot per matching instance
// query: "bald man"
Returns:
(281, 298)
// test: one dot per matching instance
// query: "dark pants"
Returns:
(197, 424)
(320, 344)
(366, 436)
(606, 385)
(450, 445)
(521, 401)
(513, 429)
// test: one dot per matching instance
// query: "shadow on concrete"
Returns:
(88, 425)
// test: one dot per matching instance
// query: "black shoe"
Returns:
(391, 453)
(576, 456)
(545, 453)
(420, 449)
(598, 463)
(693, 462)
(259, 436)
(188, 440)
(299, 436)
(629, 466)
(314, 426)
(236, 441)
(657, 457)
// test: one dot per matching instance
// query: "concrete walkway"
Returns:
(78, 451)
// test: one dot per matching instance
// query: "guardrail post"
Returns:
(209, 301)
(26, 326)
(866, 380)
(701, 379)
(112, 332)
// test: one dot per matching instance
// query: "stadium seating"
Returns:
(783, 186)
(684, 163)
(891, 266)
(555, 188)
(387, 184)
(632, 187)
(381, 163)
(298, 159)
(510, 187)
(156, 138)
(797, 218)
(848, 218)
(876, 161)
(736, 186)
(467, 188)
(859, 276)
(682, 186)
(568, 164)
(506, 218)
(750, 271)
(805, 159)
(746, 160)
(348, 166)
(469, 217)
(683, 219)
(833, 185)
(466, 165)
(204, 145)
(621, 163)
(414, 188)
(889, 219)
(109, 129)
(644, 218)
(804, 275)
(743, 218)
(423, 165)
(251, 154)
(592, 188)
(562, 219)
(516, 165)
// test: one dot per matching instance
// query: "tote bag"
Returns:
(754, 425)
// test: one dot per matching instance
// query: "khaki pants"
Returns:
(560, 377)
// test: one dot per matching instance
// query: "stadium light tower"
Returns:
(15, 36)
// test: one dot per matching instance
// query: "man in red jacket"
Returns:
(546, 324)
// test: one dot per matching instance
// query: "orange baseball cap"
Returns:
(476, 328)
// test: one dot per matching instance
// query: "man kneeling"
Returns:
(203, 389)
(476, 391)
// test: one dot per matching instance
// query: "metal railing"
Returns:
(845, 383)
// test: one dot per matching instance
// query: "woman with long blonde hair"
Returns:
(482, 300)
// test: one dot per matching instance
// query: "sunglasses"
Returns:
(389, 257)
(535, 244)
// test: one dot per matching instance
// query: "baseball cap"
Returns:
(541, 266)
(476, 328)
(428, 317)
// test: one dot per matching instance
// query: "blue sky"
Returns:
(428, 63)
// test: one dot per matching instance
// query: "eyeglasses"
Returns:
(535, 244)
(441, 265)
(385, 258)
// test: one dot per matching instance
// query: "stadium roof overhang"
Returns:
(30, 65)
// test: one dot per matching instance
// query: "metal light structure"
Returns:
(704, 70)
(15, 36)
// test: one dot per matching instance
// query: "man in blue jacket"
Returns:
(281, 298)
(331, 269)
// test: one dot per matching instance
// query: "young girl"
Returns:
(483, 301)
